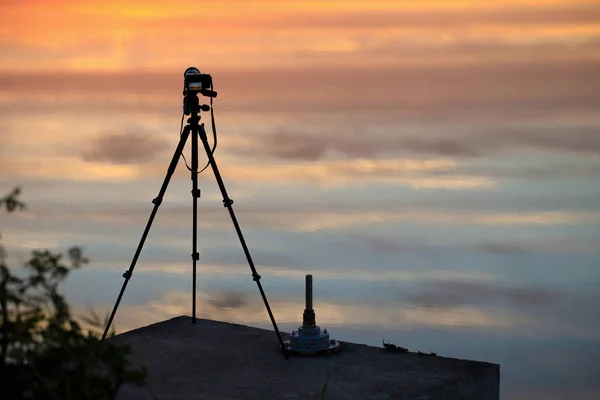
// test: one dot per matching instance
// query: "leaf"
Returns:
(76, 257)
(11, 202)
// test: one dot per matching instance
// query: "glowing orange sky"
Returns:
(114, 35)
(426, 56)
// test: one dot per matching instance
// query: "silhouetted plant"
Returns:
(44, 352)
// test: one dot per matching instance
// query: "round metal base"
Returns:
(334, 347)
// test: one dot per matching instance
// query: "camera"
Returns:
(196, 82)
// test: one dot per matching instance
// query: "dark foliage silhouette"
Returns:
(45, 353)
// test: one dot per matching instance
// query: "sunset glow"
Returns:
(158, 35)
(435, 165)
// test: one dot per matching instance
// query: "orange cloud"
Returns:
(406, 172)
(67, 168)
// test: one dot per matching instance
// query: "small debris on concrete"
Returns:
(393, 348)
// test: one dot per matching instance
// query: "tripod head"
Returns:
(191, 104)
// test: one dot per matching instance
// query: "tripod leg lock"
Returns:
(227, 202)
(255, 277)
(127, 274)
(157, 200)
(196, 256)
(196, 193)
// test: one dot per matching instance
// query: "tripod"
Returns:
(191, 106)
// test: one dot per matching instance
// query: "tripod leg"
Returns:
(127, 275)
(227, 202)
(195, 195)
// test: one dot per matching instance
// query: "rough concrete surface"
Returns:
(218, 360)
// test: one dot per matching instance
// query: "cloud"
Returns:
(463, 316)
(504, 248)
(426, 91)
(539, 308)
(441, 18)
(125, 148)
(416, 173)
(574, 138)
(284, 143)
(121, 154)
(575, 167)
(449, 294)
(423, 244)
(433, 140)
(228, 300)
(150, 35)
(298, 145)
(233, 255)
(458, 110)
(66, 168)
(289, 310)
(310, 217)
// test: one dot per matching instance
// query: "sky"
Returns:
(434, 164)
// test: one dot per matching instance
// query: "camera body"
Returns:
(197, 82)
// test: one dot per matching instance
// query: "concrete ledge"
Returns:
(218, 360)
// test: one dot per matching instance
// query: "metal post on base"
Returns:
(310, 340)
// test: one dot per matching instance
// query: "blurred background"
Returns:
(435, 165)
